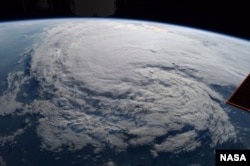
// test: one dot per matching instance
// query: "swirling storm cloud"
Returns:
(115, 85)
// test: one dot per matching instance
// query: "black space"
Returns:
(227, 17)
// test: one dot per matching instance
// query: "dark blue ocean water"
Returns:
(13, 44)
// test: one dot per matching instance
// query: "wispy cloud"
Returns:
(2, 162)
(11, 138)
(183, 142)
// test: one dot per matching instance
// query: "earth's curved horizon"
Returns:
(118, 92)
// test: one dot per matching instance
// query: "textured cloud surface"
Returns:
(119, 84)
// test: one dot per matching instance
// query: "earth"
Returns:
(118, 92)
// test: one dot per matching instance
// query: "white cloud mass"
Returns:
(116, 84)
